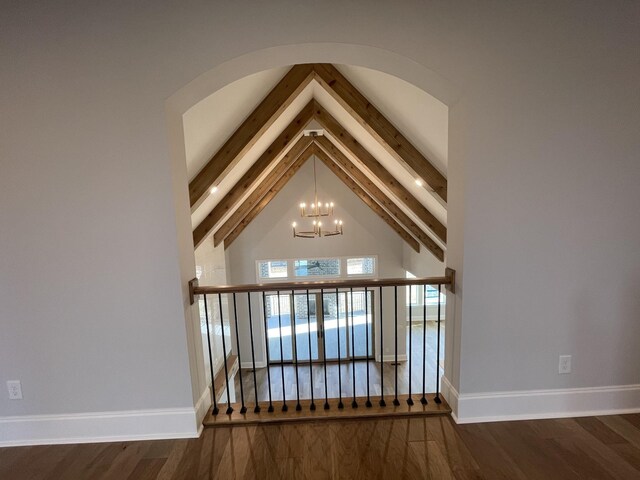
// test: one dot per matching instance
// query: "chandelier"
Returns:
(317, 210)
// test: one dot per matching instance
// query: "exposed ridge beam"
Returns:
(251, 176)
(256, 208)
(272, 177)
(346, 140)
(366, 198)
(377, 125)
(328, 152)
(262, 117)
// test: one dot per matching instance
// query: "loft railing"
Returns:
(271, 300)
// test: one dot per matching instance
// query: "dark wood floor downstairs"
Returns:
(414, 448)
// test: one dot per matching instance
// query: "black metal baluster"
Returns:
(224, 352)
(382, 402)
(410, 400)
(354, 404)
(366, 330)
(340, 404)
(284, 395)
(396, 402)
(243, 409)
(313, 405)
(437, 398)
(294, 343)
(423, 400)
(324, 350)
(253, 355)
(213, 375)
(266, 338)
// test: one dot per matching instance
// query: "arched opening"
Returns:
(196, 93)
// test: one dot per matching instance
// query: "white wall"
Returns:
(269, 236)
(422, 263)
(94, 238)
(211, 269)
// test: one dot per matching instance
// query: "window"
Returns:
(361, 266)
(416, 294)
(326, 267)
(423, 299)
(317, 268)
(272, 269)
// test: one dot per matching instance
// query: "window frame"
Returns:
(291, 276)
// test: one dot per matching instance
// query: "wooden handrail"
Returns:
(448, 281)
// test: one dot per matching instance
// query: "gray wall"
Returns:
(94, 220)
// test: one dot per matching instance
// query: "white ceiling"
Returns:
(419, 116)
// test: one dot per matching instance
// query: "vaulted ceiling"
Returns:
(400, 181)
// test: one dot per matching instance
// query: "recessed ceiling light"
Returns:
(418, 182)
(214, 189)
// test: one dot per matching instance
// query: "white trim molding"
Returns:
(249, 365)
(391, 358)
(202, 405)
(451, 395)
(93, 427)
(537, 404)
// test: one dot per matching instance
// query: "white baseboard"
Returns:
(451, 395)
(392, 358)
(249, 365)
(202, 405)
(537, 404)
(96, 427)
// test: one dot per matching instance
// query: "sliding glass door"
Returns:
(306, 338)
(335, 324)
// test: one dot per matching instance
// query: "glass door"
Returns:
(280, 339)
(334, 326)
(344, 320)
(359, 309)
(307, 333)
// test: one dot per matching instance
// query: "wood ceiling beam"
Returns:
(251, 176)
(377, 125)
(344, 138)
(256, 207)
(366, 198)
(262, 189)
(262, 117)
(328, 152)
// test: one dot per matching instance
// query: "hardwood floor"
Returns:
(399, 448)
(302, 386)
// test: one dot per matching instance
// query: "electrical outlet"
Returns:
(564, 364)
(15, 389)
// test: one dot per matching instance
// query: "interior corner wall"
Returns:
(455, 250)
(211, 269)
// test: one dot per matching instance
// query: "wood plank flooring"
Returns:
(431, 447)
(299, 384)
